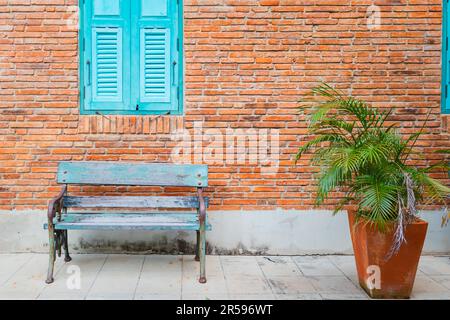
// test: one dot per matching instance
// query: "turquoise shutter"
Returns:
(107, 66)
(155, 55)
(445, 58)
(155, 65)
(107, 55)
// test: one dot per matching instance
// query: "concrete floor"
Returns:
(175, 277)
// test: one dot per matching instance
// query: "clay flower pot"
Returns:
(381, 277)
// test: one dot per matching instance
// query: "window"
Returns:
(445, 59)
(131, 57)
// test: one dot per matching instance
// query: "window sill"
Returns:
(130, 124)
(132, 113)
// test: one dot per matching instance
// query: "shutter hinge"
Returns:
(178, 44)
(137, 107)
(178, 93)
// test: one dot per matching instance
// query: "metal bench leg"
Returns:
(202, 254)
(197, 247)
(52, 254)
(67, 257)
(58, 242)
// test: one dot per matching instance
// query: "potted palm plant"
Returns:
(361, 154)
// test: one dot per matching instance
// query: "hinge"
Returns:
(178, 93)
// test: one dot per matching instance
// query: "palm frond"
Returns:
(432, 189)
(378, 198)
(363, 157)
(318, 140)
(333, 177)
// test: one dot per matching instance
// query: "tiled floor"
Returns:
(104, 276)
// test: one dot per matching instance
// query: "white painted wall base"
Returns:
(253, 232)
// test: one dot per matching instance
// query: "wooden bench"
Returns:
(63, 217)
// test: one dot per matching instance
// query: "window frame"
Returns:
(445, 94)
(81, 75)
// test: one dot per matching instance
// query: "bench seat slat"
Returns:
(129, 221)
(132, 202)
(132, 174)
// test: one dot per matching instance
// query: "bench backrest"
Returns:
(132, 174)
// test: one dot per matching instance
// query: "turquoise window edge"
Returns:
(445, 108)
(179, 111)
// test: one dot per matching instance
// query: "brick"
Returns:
(248, 63)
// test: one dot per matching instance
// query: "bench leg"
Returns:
(67, 257)
(58, 243)
(197, 247)
(202, 252)
(52, 254)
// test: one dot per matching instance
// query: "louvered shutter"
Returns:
(155, 50)
(106, 55)
(107, 64)
(155, 65)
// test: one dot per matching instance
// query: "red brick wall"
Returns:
(248, 62)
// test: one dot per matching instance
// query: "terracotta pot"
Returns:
(381, 277)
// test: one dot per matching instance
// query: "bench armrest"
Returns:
(55, 205)
(202, 207)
